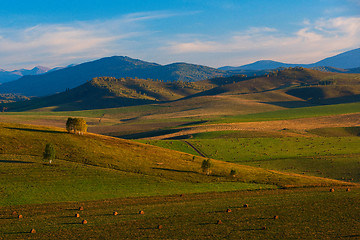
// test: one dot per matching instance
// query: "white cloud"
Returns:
(312, 42)
(62, 44)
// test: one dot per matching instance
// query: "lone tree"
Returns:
(76, 125)
(206, 165)
(49, 153)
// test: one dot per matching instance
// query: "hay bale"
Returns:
(141, 212)
(32, 231)
(246, 205)
(115, 213)
(14, 213)
(181, 195)
(228, 210)
(84, 222)
(276, 217)
(160, 227)
(348, 189)
(332, 190)
(20, 216)
(219, 222)
(81, 208)
(77, 215)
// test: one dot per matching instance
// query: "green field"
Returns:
(30, 180)
(293, 113)
(313, 213)
(331, 157)
(92, 167)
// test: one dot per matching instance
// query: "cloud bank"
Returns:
(311, 42)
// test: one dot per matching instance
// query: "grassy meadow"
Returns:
(302, 214)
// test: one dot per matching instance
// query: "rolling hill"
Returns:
(118, 67)
(22, 147)
(109, 92)
(292, 87)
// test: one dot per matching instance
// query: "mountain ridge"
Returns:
(115, 66)
(346, 60)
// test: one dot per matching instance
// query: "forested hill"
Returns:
(108, 92)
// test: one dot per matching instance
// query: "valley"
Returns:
(285, 143)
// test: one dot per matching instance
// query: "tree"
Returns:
(70, 124)
(76, 125)
(206, 165)
(49, 153)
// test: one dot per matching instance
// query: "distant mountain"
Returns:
(259, 65)
(346, 60)
(7, 76)
(116, 66)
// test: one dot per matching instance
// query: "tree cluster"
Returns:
(76, 125)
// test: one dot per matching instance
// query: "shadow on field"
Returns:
(34, 130)
(351, 236)
(14, 161)
(174, 170)
(154, 133)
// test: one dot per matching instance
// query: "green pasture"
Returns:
(31, 180)
(292, 113)
(302, 214)
(331, 157)
(94, 167)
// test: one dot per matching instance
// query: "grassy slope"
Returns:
(331, 157)
(28, 180)
(26, 143)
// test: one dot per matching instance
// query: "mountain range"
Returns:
(349, 61)
(116, 66)
(7, 76)
(61, 79)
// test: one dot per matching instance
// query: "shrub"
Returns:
(206, 165)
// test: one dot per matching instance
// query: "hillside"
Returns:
(238, 94)
(22, 147)
(109, 92)
(118, 67)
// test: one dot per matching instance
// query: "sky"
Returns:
(208, 32)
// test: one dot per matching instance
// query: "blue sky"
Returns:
(211, 32)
